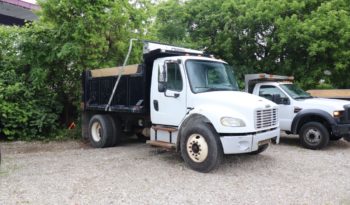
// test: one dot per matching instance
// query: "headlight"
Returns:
(232, 122)
(338, 114)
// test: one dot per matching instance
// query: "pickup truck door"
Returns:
(168, 107)
(285, 108)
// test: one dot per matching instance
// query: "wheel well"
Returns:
(313, 118)
(192, 118)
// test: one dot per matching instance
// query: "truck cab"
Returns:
(181, 99)
(315, 120)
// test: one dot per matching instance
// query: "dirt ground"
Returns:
(134, 173)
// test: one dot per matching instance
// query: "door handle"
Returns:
(175, 95)
(156, 105)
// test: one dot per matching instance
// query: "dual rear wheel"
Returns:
(104, 131)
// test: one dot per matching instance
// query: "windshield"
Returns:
(295, 92)
(205, 76)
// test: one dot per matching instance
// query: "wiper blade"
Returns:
(215, 89)
(303, 97)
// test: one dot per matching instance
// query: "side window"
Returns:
(174, 79)
(266, 91)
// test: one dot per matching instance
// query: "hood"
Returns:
(234, 99)
(328, 104)
(217, 104)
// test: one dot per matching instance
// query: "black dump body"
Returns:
(133, 92)
(131, 96)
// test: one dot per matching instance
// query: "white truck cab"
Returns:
(194, 98)
(182, 99)
(316, 120)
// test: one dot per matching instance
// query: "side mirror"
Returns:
(162, 78)
(162, 73)
(285, 101)
(276, 98)
(162, 87)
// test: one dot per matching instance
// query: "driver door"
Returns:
(168, 99)
(285, 109)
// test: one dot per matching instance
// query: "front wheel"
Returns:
(314, 135)
(201, 148)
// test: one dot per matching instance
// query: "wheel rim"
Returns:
(96, 131)
(313, 136)
(197, 148)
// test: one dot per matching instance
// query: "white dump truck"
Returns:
(183, 100)
(315, 120)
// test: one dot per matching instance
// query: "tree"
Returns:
(300, 38)
(41, 63)
(28, 104)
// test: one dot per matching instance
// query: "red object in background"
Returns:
(71, 126)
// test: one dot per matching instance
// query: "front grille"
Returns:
(265, 118)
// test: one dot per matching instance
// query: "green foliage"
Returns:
(300, 38)
(28, 107)
(41, 63)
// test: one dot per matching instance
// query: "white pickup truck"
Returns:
(315, 120)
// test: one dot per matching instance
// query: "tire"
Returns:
(201, 148)
(102, 131)
(260, 149)
(314, 135)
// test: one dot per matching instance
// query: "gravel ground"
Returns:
(135, 173)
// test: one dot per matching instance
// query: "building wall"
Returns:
(16, 12)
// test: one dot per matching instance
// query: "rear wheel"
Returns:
(201, 147)
(102, 131)
(314, 135)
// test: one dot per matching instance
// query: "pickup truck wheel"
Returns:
(260, 149)
(201, 148)
(314, 135)
(102, 131)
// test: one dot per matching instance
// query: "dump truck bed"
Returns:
(130, 95)
(133, 91)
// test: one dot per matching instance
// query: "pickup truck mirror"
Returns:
(276, 98)
(285, 101)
